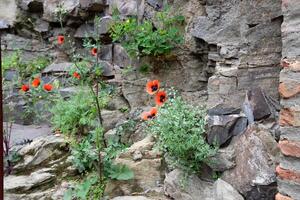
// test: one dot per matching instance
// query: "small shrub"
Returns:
(143, 39)
(84, 155)
(180, 131)
(74, 115)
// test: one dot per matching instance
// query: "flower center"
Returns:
(154, 88)
(162, 98)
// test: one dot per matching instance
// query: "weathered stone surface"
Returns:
(93, 5)
(58, 68)
(8, 11)
(131, 198)
(194, 188)
(34, 6)
(104, 25)
(19, 184)
(121, 58)
(290, 29)
(222, 128)
(107, 69)
(223, 160)
(85, 30)
(50, 7)
(259, 104)
(41, 26)
(290, 116)
(111, 118)
(244, 40)
(125, 7)
(224, 191)
(290, 148)
(222, 110)
(290, 188)
(41, 152)
(255, 162)
(149, 163)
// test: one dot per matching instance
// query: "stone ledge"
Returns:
(286, 174)
(290, 148)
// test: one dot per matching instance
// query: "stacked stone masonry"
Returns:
(288, 170)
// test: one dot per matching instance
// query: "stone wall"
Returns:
(288, 171)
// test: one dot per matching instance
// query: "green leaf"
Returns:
(121, 172)
(68, 195)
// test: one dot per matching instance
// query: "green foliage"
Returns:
(180, 130)
(24, 69)
(77, 114)
(120, 172)
(143, 39)
(84, 155)
(90, 188)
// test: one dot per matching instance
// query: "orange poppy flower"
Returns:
(60, 39)
(76, 75)
(25, 88)
(94, 51)
(160, 98)
(36, 82)
(48, 87)
(149, 115)
(152, 86)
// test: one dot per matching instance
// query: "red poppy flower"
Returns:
(152, 86)
(60, 39)
(25, 88)
(48, 87)
(149, 115)
(36, 82)
(94, 51)
(76, 75)
(160, 98)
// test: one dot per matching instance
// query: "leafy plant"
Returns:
(180, 131)
(84, 155)
(145, 39)
(120, 172)
(75, 114)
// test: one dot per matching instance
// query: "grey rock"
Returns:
(157, 4)
(125, 7)
(121, 58)
(255, 162)
(111, 136)
(33, 6)
(225, 191)
(220, 128)
(107, 69)
(41, 152)
(259, 104)
(41, 26)
(131, 198)
(223, 160)
(259, 192)
(58, 68)
(288, 187)
(50, 7)
(93, 5)
(85, 30)
(106, 52)
(222, 110)
(194, 188)
(8, 12)
(21, 184)
(104, 25)
(111, 118)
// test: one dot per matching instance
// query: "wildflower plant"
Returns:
(180, 130)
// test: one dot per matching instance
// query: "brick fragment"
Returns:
(282, 197)
(290, 148)
(288, 91)
(286, 174)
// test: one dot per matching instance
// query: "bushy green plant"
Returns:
(24, 69)
(180, 131)
(143, 39)
(75, 114)
(84, 155)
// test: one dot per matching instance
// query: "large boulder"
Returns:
(225, 191)
(50, 8)
(146, 164)
(179, 187)
(255, 163)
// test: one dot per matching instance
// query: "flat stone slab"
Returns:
(20, 132)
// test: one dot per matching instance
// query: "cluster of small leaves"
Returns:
(84, 155)
(24, 69)
(180, 130)
(145, 39)
(90, 188)
(72, 116)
